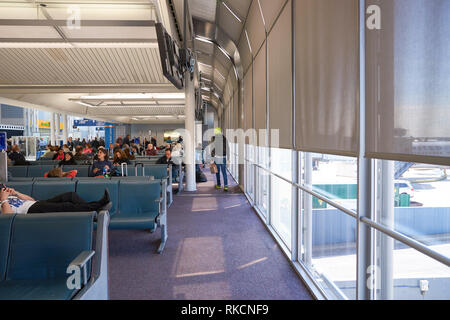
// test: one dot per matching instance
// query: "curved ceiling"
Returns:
(218, 27)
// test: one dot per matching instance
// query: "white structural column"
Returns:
(65, 128)
(58, 127)
(198, 133)
(189, 142)
(52, 130)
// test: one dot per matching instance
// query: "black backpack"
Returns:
(200, 177)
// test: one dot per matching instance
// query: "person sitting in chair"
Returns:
(58, 173)
(166, 159)
(13, 202)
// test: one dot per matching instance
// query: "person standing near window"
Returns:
(219, 154)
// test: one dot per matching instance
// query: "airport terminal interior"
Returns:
(224, 150)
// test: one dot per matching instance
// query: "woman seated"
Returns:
(128, 154)
(49, 153)
(135, 151)
(60, 155)
(13, 202)
(151, 150)
(58, 173)
(68, 160)
(120, 157)
(102, 167)
(79, 156)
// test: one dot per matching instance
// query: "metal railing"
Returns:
(390, 232)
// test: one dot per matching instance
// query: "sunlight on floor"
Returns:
(204, 255)
(204, 204)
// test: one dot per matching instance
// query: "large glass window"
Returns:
(336, 178)
(262, 183)
(403, 273)
(281, 193)
(412, 198)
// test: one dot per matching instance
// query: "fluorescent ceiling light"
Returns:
(217, 96)
(206, 88)
(85, 104)
(262, 15)
(150, 96)
(205, 65)
(248, 41)
(80, 45)
(203, 39)
(229, 9)
(224, 52)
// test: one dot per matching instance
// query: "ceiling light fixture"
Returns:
(85, 104)
(150, 96)
(225, 53)
(248, 41)
(203, 39)
(231, 11)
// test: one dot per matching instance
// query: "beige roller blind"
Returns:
(327, 76)
(248, 100)
(408, 82)
(280, 78)
(236, 110)
(259, 85)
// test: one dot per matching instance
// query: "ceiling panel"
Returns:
(110, 32)
(229, 24)
(76, 66)
(255, 27)
(203, 9)
(240, 7)
(23, 32)
(271, 9)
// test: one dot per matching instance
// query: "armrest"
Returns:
(160, 200)
(82, 259)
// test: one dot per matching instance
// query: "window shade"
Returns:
(280, 78)
(327, 76)
(236, 121)
(259, 75)
(408, 82)
(248, 99)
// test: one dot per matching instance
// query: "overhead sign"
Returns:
(46, 124)
(88, 123)
(3, 143)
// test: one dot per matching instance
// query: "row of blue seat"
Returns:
(157, 171)
(133, 199)
(138, 204)
(37, 250)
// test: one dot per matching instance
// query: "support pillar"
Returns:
(189, 142)
(52, 130)
(65, 129)
(58, 127)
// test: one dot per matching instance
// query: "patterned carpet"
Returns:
(218, 249)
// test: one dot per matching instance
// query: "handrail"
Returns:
(408, 241)
(315, 194)
(390, 232)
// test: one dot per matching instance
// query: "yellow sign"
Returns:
(46, 124)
